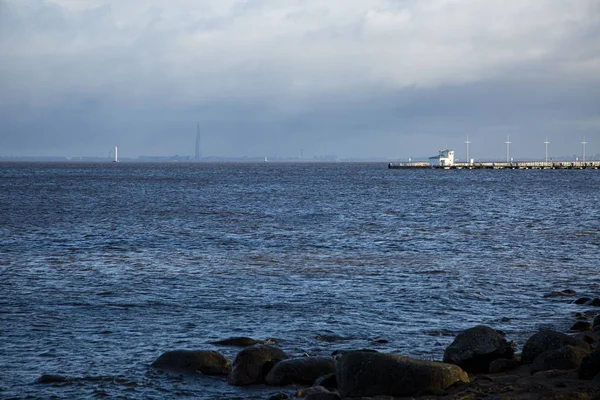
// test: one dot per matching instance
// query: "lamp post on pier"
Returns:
(546, 143)
(583, 143)
(508, 142)
(468, 142)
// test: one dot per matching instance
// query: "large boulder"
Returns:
(192, 361)
(239, 341)
(545, 340)
(252, 364)
(365, 374)
(590, 365)
(567, 357)
(474, 349)
(303, 370)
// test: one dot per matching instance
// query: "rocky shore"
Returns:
(481, 363)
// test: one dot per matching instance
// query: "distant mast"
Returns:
(116, 155)
(197, 155)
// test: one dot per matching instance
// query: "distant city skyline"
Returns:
(359, 79)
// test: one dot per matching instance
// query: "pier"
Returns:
(499, 165)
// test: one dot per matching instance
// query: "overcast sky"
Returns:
(354, 78)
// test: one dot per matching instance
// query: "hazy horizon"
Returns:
(386, 79)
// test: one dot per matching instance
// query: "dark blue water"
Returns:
(104, 267)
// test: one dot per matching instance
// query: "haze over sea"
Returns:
(103, 267)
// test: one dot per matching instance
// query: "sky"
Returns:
(280, 78)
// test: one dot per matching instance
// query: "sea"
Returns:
(104, 267)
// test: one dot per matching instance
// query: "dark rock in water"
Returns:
(330, 338)
(252, 364)
(562, 293)
(191, 361)
(503, 365)
(590, 365)
(323, 396)
(595, 302)
(241, 341)
(474, 349)
(596, 321)
(361, 374)
(545, 340)
(279, 396)
(581, 326)
(380, 341)
(302, 370)
(305, 392)
(582, 300)
(52, 379)
(329, 381)
(567, 357)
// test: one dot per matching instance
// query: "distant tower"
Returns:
(583, 143)
(546, 143)
(468, 142)
(508, 142)
(116, 155)
(198, 156)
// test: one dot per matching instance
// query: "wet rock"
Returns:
(581, 326)
(545, 340)
(474, 349)
(567, 357)
(590, 366)
(595, 302)
(279, 396)
(562, 293)
(52, 379)
(339, 353)
(302, 370)
(329, 381)
(370, 374)
(503, 365)
(590, 337)
(205, 361)
(582, 300)
(330, 338)
(252, 364)
(240, 341)
(304, 392)
(596, 322)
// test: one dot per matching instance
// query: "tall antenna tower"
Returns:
(583, 143)
(197, 155)
(508, 142)
(546, 143)
(468, 142)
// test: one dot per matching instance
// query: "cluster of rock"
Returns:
(367, 373)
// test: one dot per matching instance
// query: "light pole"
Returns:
(583, 142)
(546, 143)
(468, 142)
(508, 142)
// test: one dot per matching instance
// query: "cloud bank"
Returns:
(354, 78)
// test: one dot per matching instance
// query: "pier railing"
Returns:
(500, 165)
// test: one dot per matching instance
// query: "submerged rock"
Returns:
(252, 364)
(582, 300)
(361, 374)
(240, 341)
(545, 340)
(52, 379)
(302, 370)
(207, 362)
(474, 349)
(567, 357)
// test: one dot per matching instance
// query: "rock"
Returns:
(205, 361)
(581, 326)
(503, 365)
(590, 365)
(252, 364)
(595, 302)
(562, 293)
(52, 379)
(545, 340)
(474, 349)
(339, 353)
(329, 381)
(304, 392)
(582, 300)
(590, 338)
(369, 374)
(596, 321)
(302, 370)
(279, 396)
(241, 341)
(323, 396)
(567, 357)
